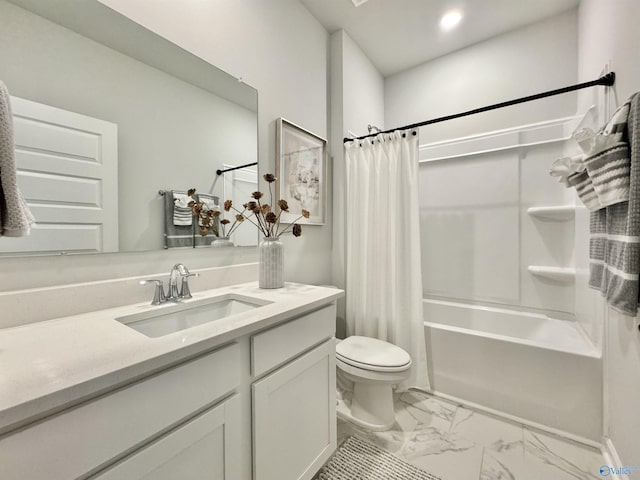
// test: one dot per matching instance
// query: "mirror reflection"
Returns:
(110, 121)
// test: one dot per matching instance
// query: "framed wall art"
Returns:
(301, 170)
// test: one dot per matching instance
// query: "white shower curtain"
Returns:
(384, 281)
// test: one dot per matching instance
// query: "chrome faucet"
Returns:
(173, 295)
(179, 270)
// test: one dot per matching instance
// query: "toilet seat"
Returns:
(372, 354)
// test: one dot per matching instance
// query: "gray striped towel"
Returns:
(614, 248)
(176, 234)
(608, 162)
(583, 184)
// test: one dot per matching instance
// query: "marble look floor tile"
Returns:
(449, 460)
(457, 443)
(502, 466)
(488, 431)
(425, 410)
(547, 456)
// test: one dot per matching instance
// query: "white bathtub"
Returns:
(527, 365)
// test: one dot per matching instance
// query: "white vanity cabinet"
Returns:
(294, 406)
(259, 403)
(84, 439)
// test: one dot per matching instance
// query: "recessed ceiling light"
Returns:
(450, 19)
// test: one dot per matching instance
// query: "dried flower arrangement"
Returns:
(262, 215)
(266, 218)
(210, 219)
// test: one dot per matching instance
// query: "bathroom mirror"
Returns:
(107, 114)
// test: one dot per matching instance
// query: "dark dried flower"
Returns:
(203, 231)
(206, 221)
(269, 177)
(271, 217)
(191, 203)
(297, 230)
(225, 221)
(257, 195)
(284, 206)
(196, 208)
(239, 218)
(191, 191)
(251, 206)
(227, 205)
(305, 213)
(266, 208)
(215, 213)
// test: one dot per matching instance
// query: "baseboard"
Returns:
(516, 419)
(612, 458)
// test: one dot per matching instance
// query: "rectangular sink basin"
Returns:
(180, 316)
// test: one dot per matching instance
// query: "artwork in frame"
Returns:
(301, 171)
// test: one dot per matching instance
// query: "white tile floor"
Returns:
(456, 443)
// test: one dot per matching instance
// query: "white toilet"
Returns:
(373, 366)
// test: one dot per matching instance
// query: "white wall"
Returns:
(609, 33)
(540, 57)
(278, 48)
(357, 100)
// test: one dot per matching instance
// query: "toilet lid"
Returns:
(372, 354)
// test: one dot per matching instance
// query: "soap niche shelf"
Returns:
(559, 274)
(558, 213)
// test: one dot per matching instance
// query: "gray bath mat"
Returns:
(360, 460)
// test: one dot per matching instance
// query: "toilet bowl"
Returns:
(374, 366)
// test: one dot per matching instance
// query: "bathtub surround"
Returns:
(383, 246)
(533, 368)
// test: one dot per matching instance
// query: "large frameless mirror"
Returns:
(112, 123)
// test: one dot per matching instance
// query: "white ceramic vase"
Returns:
(271, 263)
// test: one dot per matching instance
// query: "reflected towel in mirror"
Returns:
(15, 217)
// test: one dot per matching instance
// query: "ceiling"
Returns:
(399, 34)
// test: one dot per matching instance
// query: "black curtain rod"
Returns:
(607, 80)
(220, 172)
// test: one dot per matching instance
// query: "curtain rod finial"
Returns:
(609, 79)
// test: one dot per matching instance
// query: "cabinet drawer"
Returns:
(79, 440)
(279, 344)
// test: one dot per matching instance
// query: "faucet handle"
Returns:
(158, 294)
(184, 286)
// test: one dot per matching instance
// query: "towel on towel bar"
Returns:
(176, 234)
(15, 217)
(614, 247)
(182, 235)
(182, 213)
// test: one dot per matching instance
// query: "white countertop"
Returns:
(50, 365)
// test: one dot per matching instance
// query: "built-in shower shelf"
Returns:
(553, 273)
(560, 212)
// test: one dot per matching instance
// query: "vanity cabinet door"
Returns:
(204, 448)
(294, 417)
